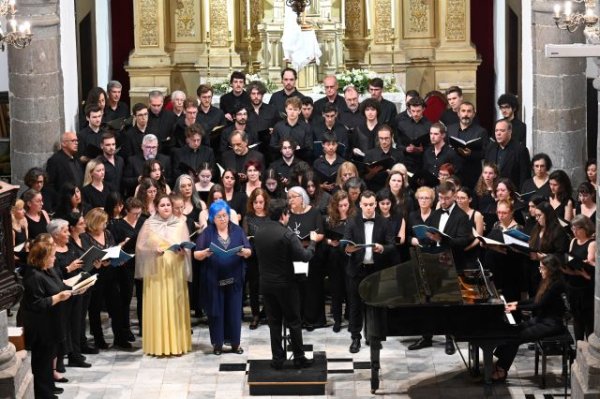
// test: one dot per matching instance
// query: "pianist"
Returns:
(368, 228)
(548, 309)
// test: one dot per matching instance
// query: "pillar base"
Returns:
(585, 375)
(16, 380)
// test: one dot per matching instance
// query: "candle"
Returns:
(206, 16)
(393, 14)
(557, 10)
(248, 15)
(13, 24)
(368, 13)
(589, 12)
(27, 26)
(11, 3)
(230, 15)
(567, 8)
(343, 12)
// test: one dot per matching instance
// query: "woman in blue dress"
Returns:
(222, 276)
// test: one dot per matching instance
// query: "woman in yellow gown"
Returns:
(166, 310)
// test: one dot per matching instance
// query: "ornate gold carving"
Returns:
(383, 21)
(418, 21)
(219, 31)
(456, 20)
(354, 18)
(185, 19)
(148, 23)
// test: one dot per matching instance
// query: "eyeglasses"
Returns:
(72, 141)
(221, 217)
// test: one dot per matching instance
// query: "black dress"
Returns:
(336, 263)
(312, 293)
(543, 191)
(43, 325)
(35, 228)
(93, 197)
(251, 225)
(581, 293)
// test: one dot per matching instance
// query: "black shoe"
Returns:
(420, 344)
(450, 348)
(89, 350)
(100, 343)
(277, 364)
(61, 368)
(355, 345)
(79, 363)
(130, 336)
(302, 362)
(237, 350)
(122, 344)
(254, 323)
(61, 380)
(310, 327)
(337, 327)
(57, 390)
(217, 350)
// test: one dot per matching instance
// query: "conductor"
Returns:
(277, 247)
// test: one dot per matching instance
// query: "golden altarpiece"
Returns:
(424, 44)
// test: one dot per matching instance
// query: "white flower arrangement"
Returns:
(360, 78)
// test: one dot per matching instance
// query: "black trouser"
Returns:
(106, 290)
(42, 356)
(531, 330)
(252, 276)
(312, 293)
(355, 303)
(73, 316)
(282, 302)
(194, 289)
(124, 276)
(581, 300)
(337, 282)
(86, 298)
(139, 295)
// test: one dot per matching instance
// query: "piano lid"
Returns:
(425, 275)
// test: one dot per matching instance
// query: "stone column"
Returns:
(35, 89)
(559, 99)
(585, 377)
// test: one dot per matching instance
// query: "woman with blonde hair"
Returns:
(19, 226)
(345, 172)
(94, 192)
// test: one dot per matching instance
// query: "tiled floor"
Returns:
(427, 374)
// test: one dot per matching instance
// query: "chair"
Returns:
(561, 344)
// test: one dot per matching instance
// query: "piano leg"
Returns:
(375, 365)
(488, 363)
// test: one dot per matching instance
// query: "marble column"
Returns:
(559, 95)
(585, 377)
(35, 89)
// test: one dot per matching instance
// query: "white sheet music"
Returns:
(301, 268)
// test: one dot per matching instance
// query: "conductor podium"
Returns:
(264, 380)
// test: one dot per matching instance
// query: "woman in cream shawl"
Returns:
(166, 310)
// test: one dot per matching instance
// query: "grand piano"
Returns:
(427, 295)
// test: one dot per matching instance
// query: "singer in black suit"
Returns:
(453, 222)
(366, 228)
(277, 247)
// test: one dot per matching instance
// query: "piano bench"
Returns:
(556, 345)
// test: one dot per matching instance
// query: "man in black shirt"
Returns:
(439, 153)
(412, 134)
(190, 113)
(260, 115)
(351, 117)
(135, 163)
(113, 164)
(330, 84)
(284, 165)
(471, 155)
(90, 137)
(63, 166)
(454, 95)
(132, 139)
(376, 176)
(307, 111)
(293, 127)
(191, 156)
(511, 157)
(406, 113)
(278, 99)
(240, 154)
(240, 122)
(387, 109)
(509, 106)
(160, 121)
(329, 124)
(236, 98)
(277, 248)
(115, 108)
(328, 164)
(209, 116)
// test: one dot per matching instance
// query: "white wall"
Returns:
(527, 70)
(68, 60)
(500, 46)
(103, 39)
